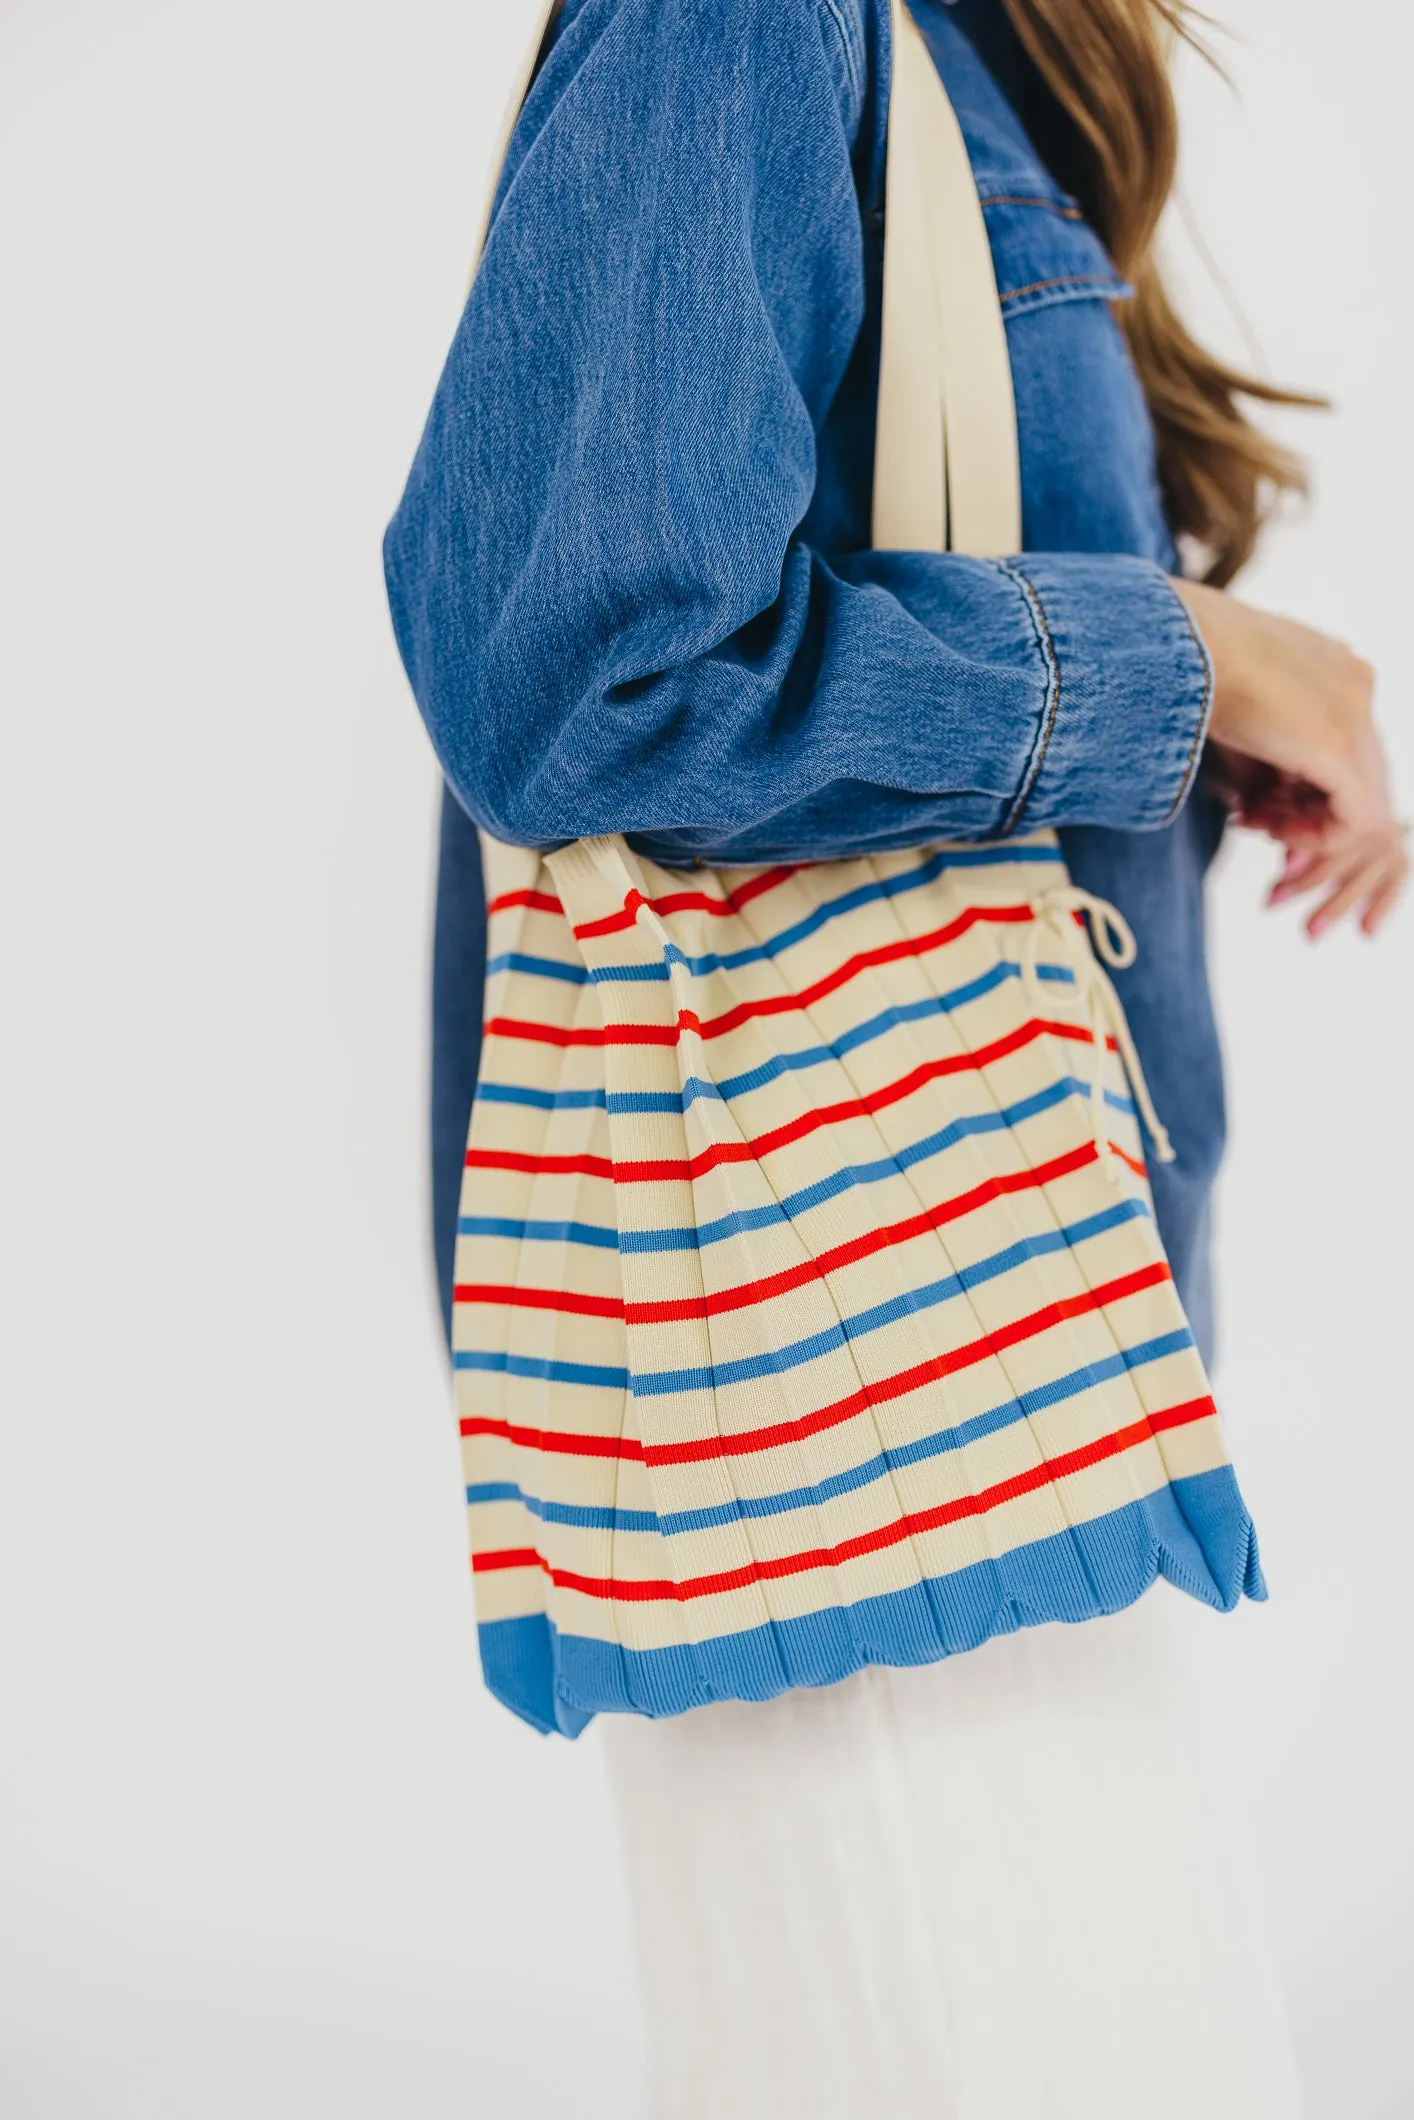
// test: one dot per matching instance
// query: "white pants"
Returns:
(1012, 1886)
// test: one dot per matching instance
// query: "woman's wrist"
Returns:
(1212, 613)
(1288, 695)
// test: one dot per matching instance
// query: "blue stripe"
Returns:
(775, 1361)
(592, 1233)
(1008, 1414)
(792, 1205)
(694, 1088)
(944, 1440)
(580, 1100)
(521, 1365)
(638, 1241)
(1196, 1533)
(773, 1213)
(542, 1100)
(815, 1055)
(618, 974)
(888, 1019)
(581, 1518)
(625, 1102)
(763, 953)
(657, 1383)
(809, 1056)
(663, 1100)
(543, 967)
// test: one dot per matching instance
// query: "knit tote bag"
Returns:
(810, 1310)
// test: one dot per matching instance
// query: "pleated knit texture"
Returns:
(800, 1322)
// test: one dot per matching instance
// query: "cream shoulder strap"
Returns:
(945, 462)
(945, 465)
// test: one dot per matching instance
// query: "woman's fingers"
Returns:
(1371, 876)
(1393, 878)
(1353, 888)
(1383, 901)
(1305, 869)
(1367, 869)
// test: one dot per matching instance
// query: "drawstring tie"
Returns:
(1093, 992)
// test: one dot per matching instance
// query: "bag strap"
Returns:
(946, 475)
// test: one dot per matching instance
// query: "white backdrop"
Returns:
(264, 1845)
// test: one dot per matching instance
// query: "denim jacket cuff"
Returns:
(1129, 691)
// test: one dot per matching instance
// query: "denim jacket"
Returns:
(631, 575)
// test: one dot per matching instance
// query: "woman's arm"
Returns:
(607, 611)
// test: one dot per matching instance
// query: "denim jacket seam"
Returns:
(1062, 208)
(1205, 706)
(851, 59)
(1046, 644)
(1062, 279)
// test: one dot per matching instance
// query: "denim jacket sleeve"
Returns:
(608, 613)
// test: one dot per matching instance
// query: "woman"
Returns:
(634, 590)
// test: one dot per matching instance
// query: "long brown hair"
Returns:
(1107, 64)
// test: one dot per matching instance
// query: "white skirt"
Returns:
(1012, 1886)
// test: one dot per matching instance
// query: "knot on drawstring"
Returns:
(1055, 921)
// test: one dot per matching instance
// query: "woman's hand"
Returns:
(1299, 756)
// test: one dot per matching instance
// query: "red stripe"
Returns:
(688, 902)
(551, 1034)
(865, 960)
(749, 1292)
(1180, 1416)
(511, 1159)
(1036, 1476)
(558, 1442)
(749, 1441)
(754, 886)
(658, 1169)
(668, 1034)
(899, 1386)
(538, 901)
(613, 923)
(786, 1004)
(509, 1557)
(862, 1247)
(807, 1123)
(517, 1297)
(538, 1299)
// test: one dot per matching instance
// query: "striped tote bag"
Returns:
(810, 1310)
